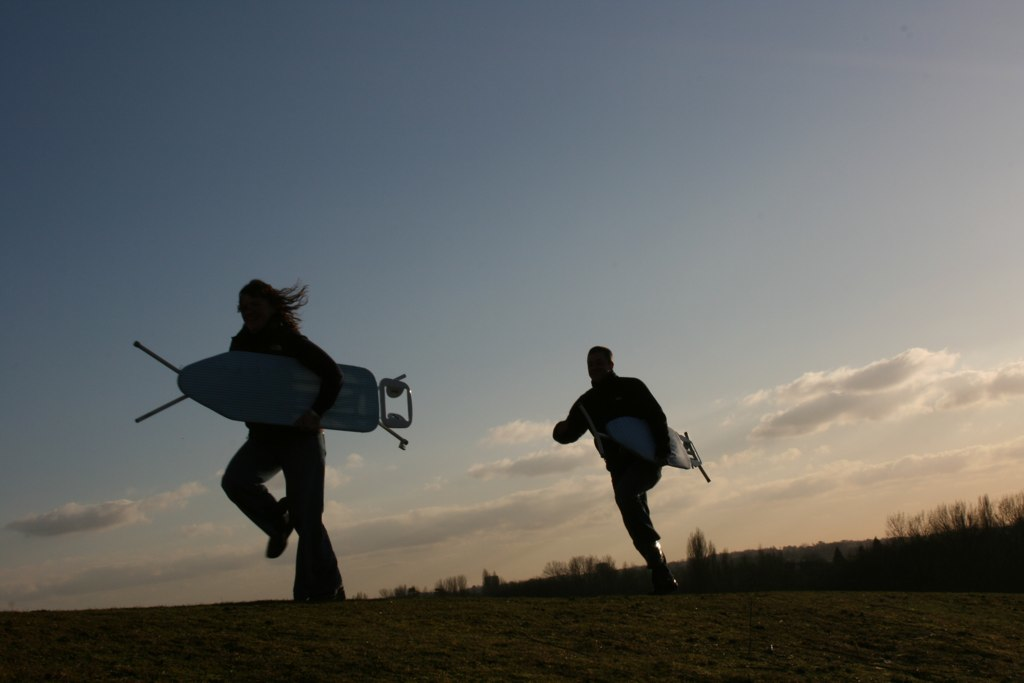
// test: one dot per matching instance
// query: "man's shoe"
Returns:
(664, 582)
(279, 541)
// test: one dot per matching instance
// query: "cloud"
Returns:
(969, 388)
(829, 410)
(518, 432)
(539, 463)
(335, 478)
(121, 576)
(788, 490)
(915, 467)
(581, 501)
(435, 484)
(534, 510)
(552, 460)
(849, 476)
(914, 382)
(205, 530)
(872, 378)
(73, 517)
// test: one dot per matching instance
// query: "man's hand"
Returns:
(558, 433)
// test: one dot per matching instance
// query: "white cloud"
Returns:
(44, 582)
(335, 478)
(74, 517)
(920, 466)
(968, 388)
(435, 484)
(205, 530)
(582, 501)
(518, 432)
(871, 378)
(535, 510)
(172, 499)
(914, 382)
(574, 504)
(850, 476)
(788, 490)
(539, 463)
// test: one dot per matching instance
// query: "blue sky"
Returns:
(798, 222)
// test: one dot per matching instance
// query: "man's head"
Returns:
(599, 363)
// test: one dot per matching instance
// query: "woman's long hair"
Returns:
(286, 301)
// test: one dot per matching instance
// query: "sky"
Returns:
(798, 222)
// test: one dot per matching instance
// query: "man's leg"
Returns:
(316, 567)
(631, 486)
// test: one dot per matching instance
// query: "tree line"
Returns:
(953, 547)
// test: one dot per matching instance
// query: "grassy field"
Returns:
(721, 637)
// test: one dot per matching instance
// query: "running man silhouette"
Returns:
(609, 397)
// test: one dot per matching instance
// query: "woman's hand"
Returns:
(309, 421)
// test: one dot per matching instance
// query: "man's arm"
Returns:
(572, 427)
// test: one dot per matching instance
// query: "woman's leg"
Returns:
(316, 568)
(255, 463)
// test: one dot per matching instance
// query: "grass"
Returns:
(720, 637)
